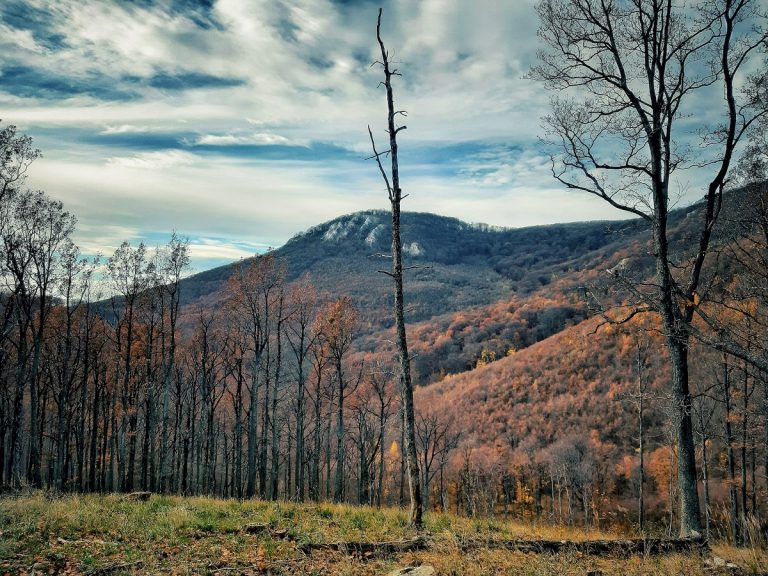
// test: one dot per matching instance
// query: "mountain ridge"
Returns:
(428, 238)
(475, 290)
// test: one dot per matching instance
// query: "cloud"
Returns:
(202, 249)
(258, 139)
(125, 129)
(47, 85)
(21, 38)
(313, 75)
(247, 119)
(94, 238)
(154, 160)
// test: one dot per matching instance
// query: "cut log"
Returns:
(423, 570)
(108, 570)
(275, 533)
(639, 546)
(138, 496)
(255, 528)
(369, 548)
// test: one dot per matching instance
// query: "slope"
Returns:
(474, 292)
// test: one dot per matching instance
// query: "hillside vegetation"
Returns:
(273, 377)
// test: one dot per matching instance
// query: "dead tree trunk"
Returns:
(395, 196)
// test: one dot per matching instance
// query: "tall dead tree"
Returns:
(395, 196)
(634, 69)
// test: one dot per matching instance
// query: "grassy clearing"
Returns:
(174, 535)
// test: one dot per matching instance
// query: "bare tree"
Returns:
(635, 67)
(380, 378)
(175, 259)
(395, 196)
(340, 321)
(301, 338)
(16, 155)
(36, 233)
(128, 274)
(640, 396)
(319, 360)
(253, 293)
(436, 439)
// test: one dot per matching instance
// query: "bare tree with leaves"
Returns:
(395, 196)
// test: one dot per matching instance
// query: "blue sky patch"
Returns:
(31, 83)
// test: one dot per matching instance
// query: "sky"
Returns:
(240, 123)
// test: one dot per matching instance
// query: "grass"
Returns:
(174, 535)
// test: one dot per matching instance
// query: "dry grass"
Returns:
(76, 534)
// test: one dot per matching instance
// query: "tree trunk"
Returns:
(406, 386)
(90, 485)
(328, 453)
(705, 481)
(380, 486)
(250, 490)
(146, 441)
(35, 458)
(61, 438)
(338, 489)
(744, 426)
(734, 512)
(169, 363)
(238, 441)
(640, 408)
(275, 463)
(317, 437)
(300, 456)
(15, 454)
(264, 433)
(363, 476)
(690, 524)
(82, 423)
(401, 485)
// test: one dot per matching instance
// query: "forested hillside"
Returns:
(593, 361)
(274, 376)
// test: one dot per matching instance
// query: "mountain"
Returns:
(456, 265)
(464, 264)
(504, 348)
(473, 292)
(498, 326)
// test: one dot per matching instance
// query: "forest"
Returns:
(271, 392)
(592, 375)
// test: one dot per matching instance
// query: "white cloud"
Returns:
(213, 249)
(126, 129)
(18, 39)
(161, 159)
(262, 138)
(461, 66)
(297, 73)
